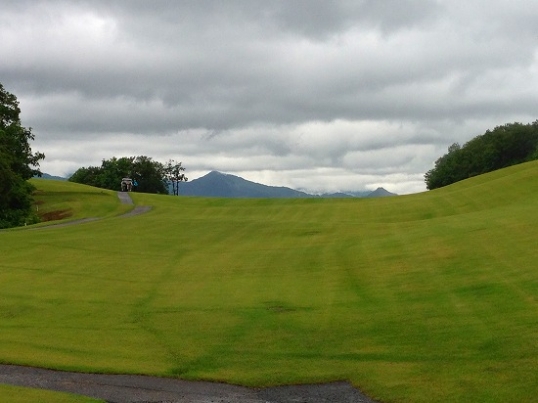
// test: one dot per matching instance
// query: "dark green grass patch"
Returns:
(420, 298)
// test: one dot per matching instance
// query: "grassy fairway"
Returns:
(55, 200)
(422, 298)
(14, 394)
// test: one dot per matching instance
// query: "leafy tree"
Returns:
(113, 170)
(173, 172)
(17, 164)
(501, 147)
(148, 173)
(445, 168)
(88, 176)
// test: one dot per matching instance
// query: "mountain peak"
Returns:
(381, 192)
(214, 173)
(218, 184)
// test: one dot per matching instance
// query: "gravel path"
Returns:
(146, 389)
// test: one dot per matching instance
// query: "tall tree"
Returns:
(149, 174)
(17, 164)
(173, 172)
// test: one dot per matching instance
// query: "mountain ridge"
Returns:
(218, 184)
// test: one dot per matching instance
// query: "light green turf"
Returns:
(75, 200)
(13, 394)
(421, 298)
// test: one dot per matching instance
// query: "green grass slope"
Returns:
(61, 200)
(13, 394)
(422, 298)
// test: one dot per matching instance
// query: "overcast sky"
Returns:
(317, 95)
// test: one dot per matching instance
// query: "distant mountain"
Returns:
(217, 184)
(360, 193)
(381, 192)
(338, 195)
(47, 176)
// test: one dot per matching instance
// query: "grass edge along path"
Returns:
(19, 394)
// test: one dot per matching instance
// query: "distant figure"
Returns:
(135, 185)
(126, 184)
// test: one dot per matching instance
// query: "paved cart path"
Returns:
(146, 389)
(125, 198)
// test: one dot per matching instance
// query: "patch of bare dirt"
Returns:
(55, 215)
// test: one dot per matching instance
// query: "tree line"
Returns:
(17, 164)
(151, 176)
(505, 145)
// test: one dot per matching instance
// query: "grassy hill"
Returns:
(62, 200)
(421, 298)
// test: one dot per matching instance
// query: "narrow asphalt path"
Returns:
(147, 389)
(125, 198)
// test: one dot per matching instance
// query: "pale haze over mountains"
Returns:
(218, 184)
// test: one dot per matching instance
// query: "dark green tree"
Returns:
(17, 164)
(173, 172)
(113, 170)
(501, 147)
(148, 173)
(445, 168)
(88, 176)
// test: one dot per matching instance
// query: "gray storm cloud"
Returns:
(359, 93)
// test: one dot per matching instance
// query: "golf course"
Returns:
(430, 297)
